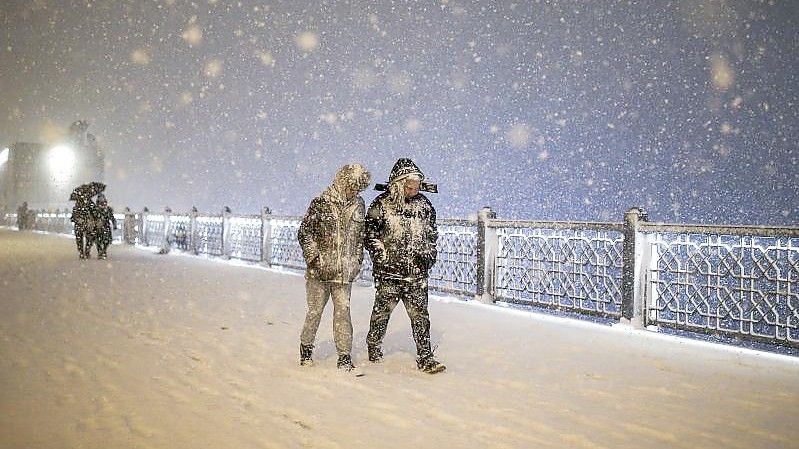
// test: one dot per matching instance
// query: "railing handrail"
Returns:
(586, 225)
(743, 230)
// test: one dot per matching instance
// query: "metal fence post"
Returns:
(266, 236)
(143, 226)
(166, 244)
(632, 297)
(226, 232)
(68, 224)
(193, 230)
(128, 227)
(486, 254)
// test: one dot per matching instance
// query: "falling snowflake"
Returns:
(721, 73)
(140, 57)
(266, 58)
(213, 68)
(307, 41)
(519, 135)
(193, 35)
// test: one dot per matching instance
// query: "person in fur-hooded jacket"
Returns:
(401, 239)
(331, 236)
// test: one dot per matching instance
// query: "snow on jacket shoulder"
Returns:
(331, 236)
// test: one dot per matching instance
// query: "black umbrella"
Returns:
(87, 190)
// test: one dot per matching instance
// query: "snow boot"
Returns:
(375, 354)
(430, 365)
(345, 363)
(305, 355)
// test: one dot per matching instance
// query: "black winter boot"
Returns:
(305, 355)
(430, 365)
(345, 363)
(375, 354)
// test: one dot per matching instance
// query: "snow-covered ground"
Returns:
(152, 351)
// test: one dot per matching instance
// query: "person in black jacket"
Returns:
(401, 239)
(82, 221)
(103, 217)
(331, 236)
(22, 216)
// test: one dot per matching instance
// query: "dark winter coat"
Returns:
(81, 214)
(331, 236)
(102, 220)
(401, 243)
(22, 216)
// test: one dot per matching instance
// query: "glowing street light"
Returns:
(61, 159)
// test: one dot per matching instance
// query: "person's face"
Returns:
(411, 187)
(350, 192)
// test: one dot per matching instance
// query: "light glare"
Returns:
(62, 163)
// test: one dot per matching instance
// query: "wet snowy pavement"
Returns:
(174, 351)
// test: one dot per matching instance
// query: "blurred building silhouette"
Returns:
(43, 175)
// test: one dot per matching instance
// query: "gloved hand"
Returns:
(378, 254)
(426, 259)
(379, 257)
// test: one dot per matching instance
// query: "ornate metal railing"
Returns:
(245, 239)
(735, 281)
(58, 222)
(155, 230)
(285, 249)
(567, 266)
(455, 270)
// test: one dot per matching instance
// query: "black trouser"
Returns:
(83, 241)
(413, 295)
(102, 240)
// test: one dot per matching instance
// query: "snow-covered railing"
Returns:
(58, 222)
(735, 281)
(574, 266)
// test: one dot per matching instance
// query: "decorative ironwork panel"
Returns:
(286, 250)
(742, 286)
(178, 232)
(245, 238)
(568, 269)
(118, 233)
(9, 220)
(154, 229)
(455, 269)
(367, 268)
(209, 234)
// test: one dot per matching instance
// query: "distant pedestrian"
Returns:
(82, 222)
(30, 219)
(401, 239)
(103, 221)
(331, 236)
(22, 216)
(129, 227)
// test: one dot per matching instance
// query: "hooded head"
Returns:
(350, 180)
(403, 182)
(404, 168)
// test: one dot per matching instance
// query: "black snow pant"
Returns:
(102, 240)
(413, 294)
(83, 241)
